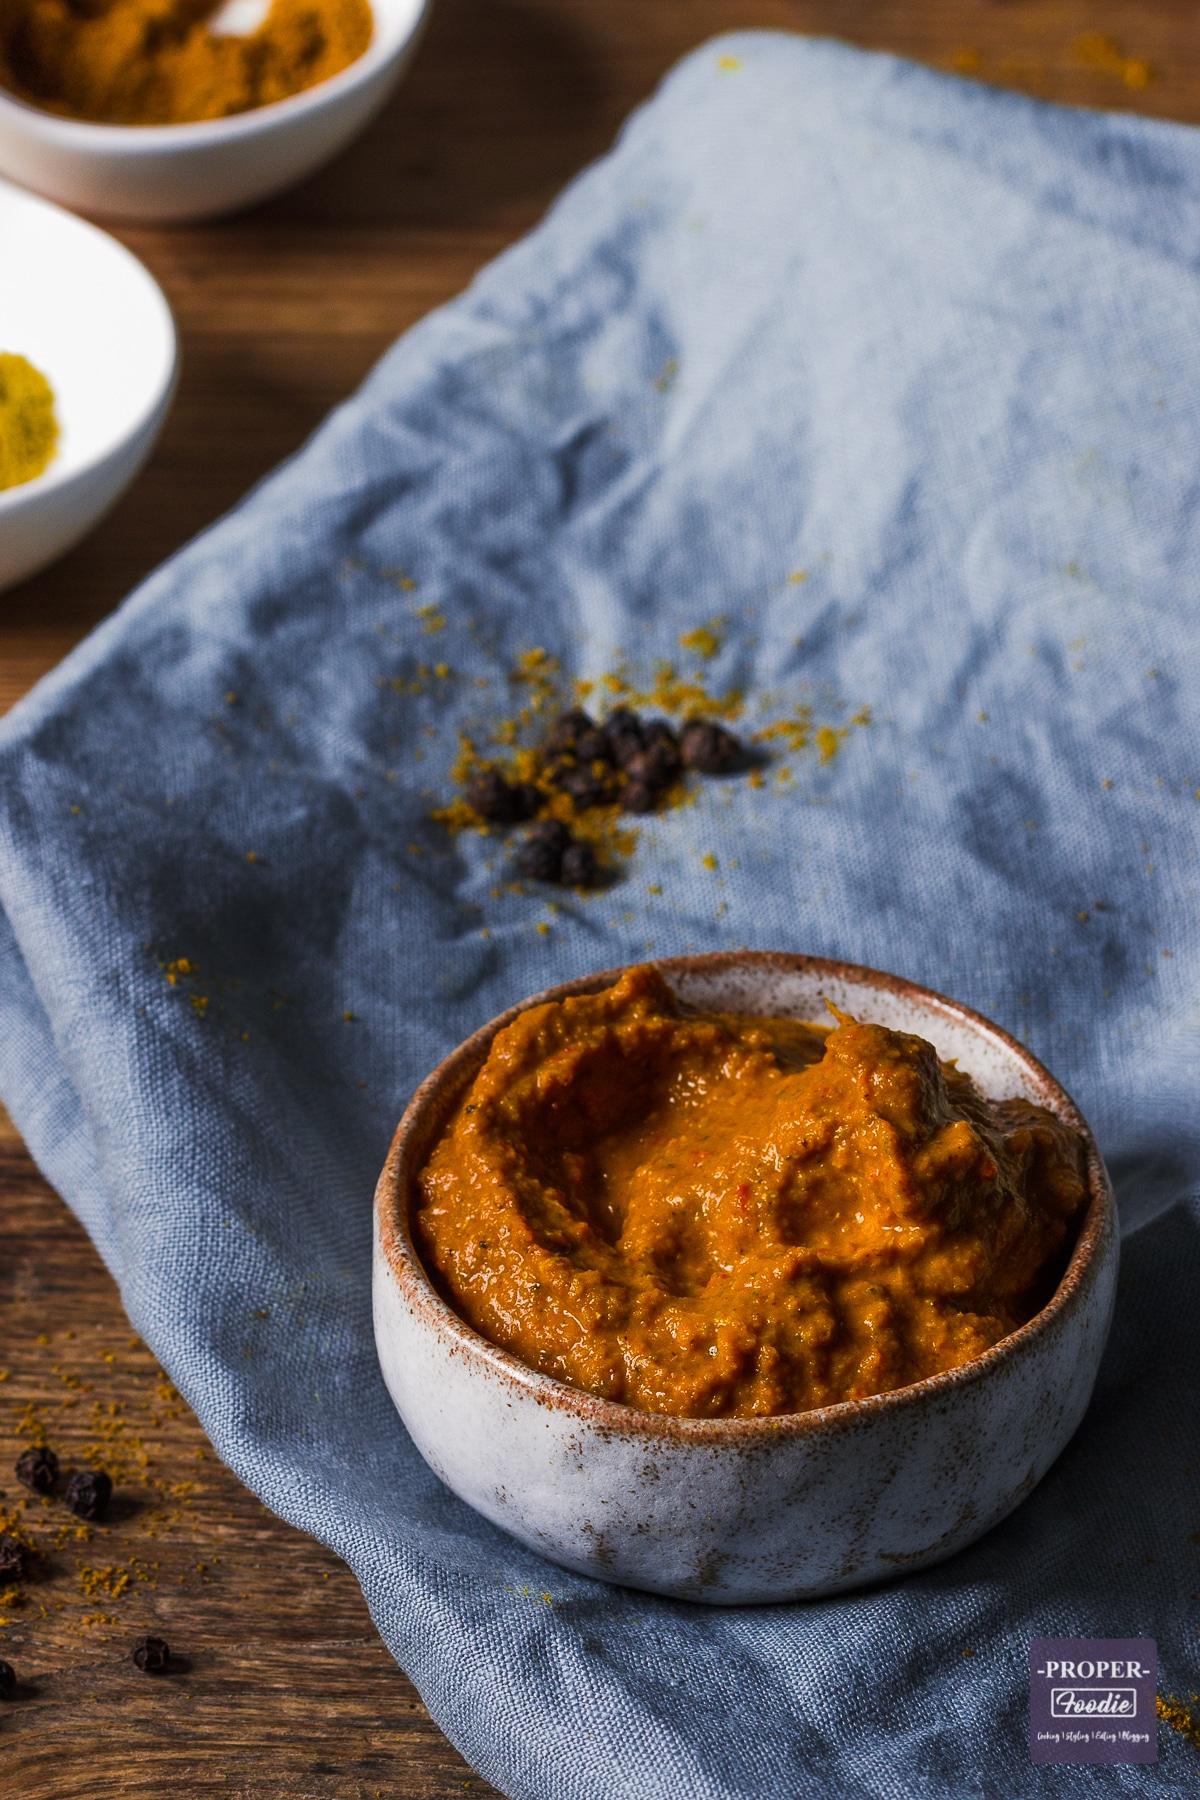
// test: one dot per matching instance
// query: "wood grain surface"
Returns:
(281, 1690)
(278, 1686)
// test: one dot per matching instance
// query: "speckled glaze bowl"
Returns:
(746, 1510)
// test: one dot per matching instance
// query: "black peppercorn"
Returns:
(623, 729)
(38, 1469)
(578, 865)
(489, 795)
(525, 800)
(708, 748)
(14, 1559)
(550, 831)
(654, 768)
(8, 1680)
(663, 745)
(151, 1655)
(638, 797)
(584, 786)
(539, 862)
(642, 769)
(540, 856)
(88, 1493)
(592, 746)
(565, 732)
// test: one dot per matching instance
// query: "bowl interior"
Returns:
(790, 987)
(395, 21)
(92, 319)
(395, 24)
(997, 1066)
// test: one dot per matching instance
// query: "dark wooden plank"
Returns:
(286, 1690)
(282, 1687)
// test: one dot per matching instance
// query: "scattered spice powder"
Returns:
(41, 1532)
(585, 776)
(705, 640)
(112, 1580)
(1179, 1717)
(795, 732)
(578, 779)
(1096, 51)
(161, 62)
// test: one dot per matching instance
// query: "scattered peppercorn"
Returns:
(629, 761)
(88, 1493)
(14, 1558)
(583, 784)
(663, 745)
(708, 748)
(654, 768)
(593, 746)
(623, 729)
(565, 731)
(151, 1655)
(540, 856)
(38, 1469)
(488, 795)
(499, 801)
(8, 1680)
(638, 797)
(578, 865)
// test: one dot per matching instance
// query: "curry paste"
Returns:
(710, 1215)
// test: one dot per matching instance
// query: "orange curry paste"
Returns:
(710, 1215)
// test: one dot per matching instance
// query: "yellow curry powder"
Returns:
(156, 62)
(28, 427)
(1174, 1713)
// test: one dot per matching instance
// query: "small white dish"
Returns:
(94, 321)
(166, 173)
(746, 1510)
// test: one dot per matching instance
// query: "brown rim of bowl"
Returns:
(431, 1104)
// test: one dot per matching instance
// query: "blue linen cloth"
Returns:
(824, 314)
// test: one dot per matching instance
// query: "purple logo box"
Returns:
(1091, 1700)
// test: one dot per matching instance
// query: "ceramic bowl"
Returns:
(165, 173)
(92, 319)
(746, 1510)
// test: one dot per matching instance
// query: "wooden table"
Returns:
(283, 1691)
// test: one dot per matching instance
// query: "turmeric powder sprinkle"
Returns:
(579, 779)
(1180, 1718)
(160, 62)
(28, 426)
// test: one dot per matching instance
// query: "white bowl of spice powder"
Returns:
(156, 110)
(87, 369)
